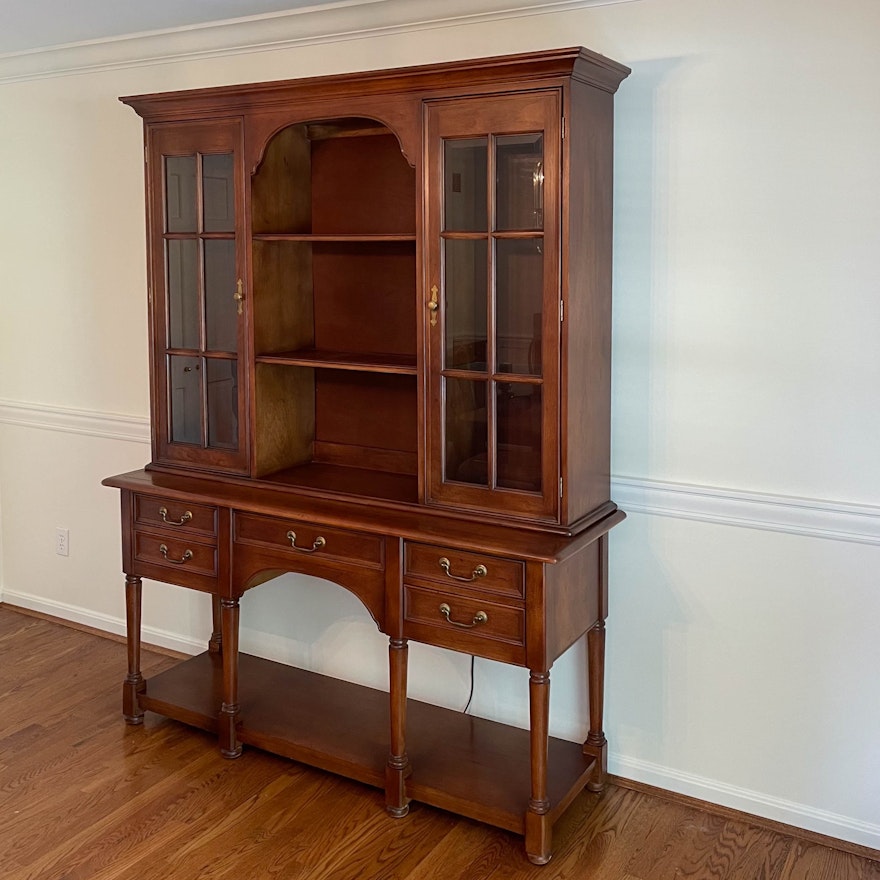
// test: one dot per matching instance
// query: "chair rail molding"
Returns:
(305, 26)
(48, 417)
(811, 517)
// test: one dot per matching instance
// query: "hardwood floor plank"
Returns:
(815, 862)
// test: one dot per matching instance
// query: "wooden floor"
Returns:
(85, 797)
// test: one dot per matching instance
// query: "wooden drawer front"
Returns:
(315, 541)
(499, 636)
(177, 516)
(466, 570)
(175, 552)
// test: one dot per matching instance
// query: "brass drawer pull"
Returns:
(479, 572)
(163, 512)
(318, 543)
(187, 555)
(479, 617)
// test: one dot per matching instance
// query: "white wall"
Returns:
(743, 649)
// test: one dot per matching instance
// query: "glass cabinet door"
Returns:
(197, 285)
(493, 302)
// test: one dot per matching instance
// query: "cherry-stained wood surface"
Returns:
(83, 795)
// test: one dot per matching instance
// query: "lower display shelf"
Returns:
(471, 766)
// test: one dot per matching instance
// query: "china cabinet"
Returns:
(380, 316)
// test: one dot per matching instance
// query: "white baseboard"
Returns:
(104, 622)
(747, 801)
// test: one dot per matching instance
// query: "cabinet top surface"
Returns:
(417, 524)
(576, 62)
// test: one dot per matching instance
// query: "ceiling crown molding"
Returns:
(347, 20)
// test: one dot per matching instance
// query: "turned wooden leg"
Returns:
(397, 769)
(230, 747)
(215, 643)
(134, 683)
(596, 744)
(539, 832)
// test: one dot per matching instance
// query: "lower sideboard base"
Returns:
(470, 766)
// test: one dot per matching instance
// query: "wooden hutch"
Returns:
(380, 323)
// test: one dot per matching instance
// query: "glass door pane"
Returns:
(218, 192)
(466, 430)
(182, 258)
(221, 307)
(180, 194)
(518, 409)
(519, 293)
(465, 183)
(185, 392)
(519, 164)
(466, 280)
(222, 390)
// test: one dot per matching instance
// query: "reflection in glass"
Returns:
(466, 438)
(465, 303)
(218, 192)
(185, 399)
(518, 302)
(182, 257)
(180, 194)
(465, 185)
(221, 308)
(518, 413)
(519, 173)
(222, 380)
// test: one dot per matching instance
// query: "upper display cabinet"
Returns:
(197, 271)
(392, 287)
(493, 262)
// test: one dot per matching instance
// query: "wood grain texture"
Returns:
(82, 795)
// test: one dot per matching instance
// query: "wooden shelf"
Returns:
(474, 767)
(400, 364)
(344, 480)
(319, 237)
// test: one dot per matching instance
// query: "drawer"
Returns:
(490, 574)
(191, 519)
(177, 553)
(469, 623)
(300, 537)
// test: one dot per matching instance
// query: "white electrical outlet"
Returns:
(62, 542)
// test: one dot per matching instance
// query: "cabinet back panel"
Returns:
(362, 185)
(366, 410)
(365, 298)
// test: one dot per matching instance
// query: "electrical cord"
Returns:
(471, 694)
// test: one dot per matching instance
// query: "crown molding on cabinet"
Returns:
(306, 26)
(814, 518)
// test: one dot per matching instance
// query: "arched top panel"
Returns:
(335, 175)
(401, 116)
(368, 586)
